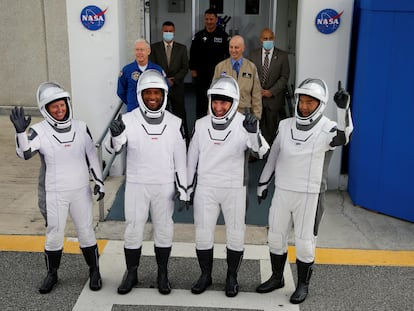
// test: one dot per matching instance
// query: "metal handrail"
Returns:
(105, 172)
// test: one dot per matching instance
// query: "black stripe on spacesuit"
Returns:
(267, 181)
(94, 176)
(28, 153)
(65, 142)
(211, 137)
(92, 171)
(319, 212)
(89, 133)
(178, 182)
(154, 134)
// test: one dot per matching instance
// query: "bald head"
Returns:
(236, 47)
(237, 39)
(267, 35)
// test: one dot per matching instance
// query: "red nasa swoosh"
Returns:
(98, 14)
(335, 17)
(103, 12)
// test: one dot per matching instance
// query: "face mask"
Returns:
(267, 45)
(168, 36)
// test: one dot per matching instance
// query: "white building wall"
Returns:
(33, 49)
(324, 56)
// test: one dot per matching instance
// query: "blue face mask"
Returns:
(168, 36)
(268, 45)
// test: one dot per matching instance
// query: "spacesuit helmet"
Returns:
(317, 89)
(49, 92)
(152, 79)
(222, 88)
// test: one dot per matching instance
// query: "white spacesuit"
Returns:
(299, 160)
(216, 173)
(68, 159)
(156, 174)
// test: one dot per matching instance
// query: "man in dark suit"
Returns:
(273, 75)
(173, 58)
(209, 46)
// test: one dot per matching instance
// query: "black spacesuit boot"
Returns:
(205, 260)
(52, 259)
(91, 256)
(132, 257)
(276, 280)
(234, 259)
(304, 275)
(162, 254)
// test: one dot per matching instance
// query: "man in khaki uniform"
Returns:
(245, 73)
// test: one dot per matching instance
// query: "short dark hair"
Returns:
(221, 97)
(168, 23)
(211, 11)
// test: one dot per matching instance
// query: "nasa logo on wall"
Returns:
(328, 21)
(92, 17)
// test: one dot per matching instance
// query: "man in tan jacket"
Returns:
(245, 73)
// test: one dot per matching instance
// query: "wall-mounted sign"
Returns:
(92, 17)
(327, 21)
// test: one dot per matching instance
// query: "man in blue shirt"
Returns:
(128, 77)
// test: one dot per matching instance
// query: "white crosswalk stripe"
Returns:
(112, 265)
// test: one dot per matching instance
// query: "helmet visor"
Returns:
(220, 105)
(153, 98)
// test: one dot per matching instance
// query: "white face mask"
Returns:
(268, 45)
(168, 36)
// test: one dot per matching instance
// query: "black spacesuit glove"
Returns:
(19, 120)
(117, 126)
(97, 191)
(250, 121)
(190, 201)
(262, 197)
(341, 97)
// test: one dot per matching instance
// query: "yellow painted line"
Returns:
(24, 243)
(331, 256)
(360, 257)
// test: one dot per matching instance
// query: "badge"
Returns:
(135, 75)
(247, 75)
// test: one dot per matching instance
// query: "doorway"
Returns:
(246, 18)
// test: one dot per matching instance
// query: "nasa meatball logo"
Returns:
(327, 21)
(92, 17)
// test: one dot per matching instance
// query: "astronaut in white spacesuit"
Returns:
(298, 161)
(68, 160)
(155, 176)
(216, 173)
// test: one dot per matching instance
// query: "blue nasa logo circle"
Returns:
(92, 17)
(327, 21)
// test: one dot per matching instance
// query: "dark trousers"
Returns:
(177, 105)
(201, 87)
